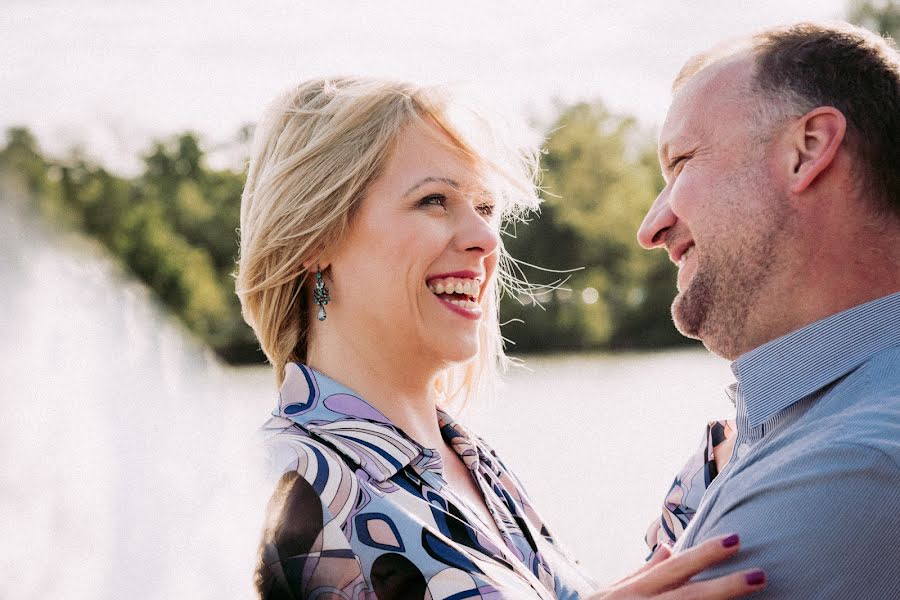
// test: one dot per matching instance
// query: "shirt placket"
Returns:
(431, 472)
(497, 510)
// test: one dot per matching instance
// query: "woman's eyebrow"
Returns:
(451, 182)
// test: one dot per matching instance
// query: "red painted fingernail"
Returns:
(756, 577)
(731, 540)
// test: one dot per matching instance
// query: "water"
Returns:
(125, 460)
(128, 467)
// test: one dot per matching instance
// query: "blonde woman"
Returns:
(370, 270)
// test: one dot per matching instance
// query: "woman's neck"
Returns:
(401, 388)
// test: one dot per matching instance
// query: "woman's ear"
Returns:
(318, 260)
(312, 266)
(814, 144)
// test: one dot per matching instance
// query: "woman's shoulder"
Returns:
(314, 492)
(289, 448)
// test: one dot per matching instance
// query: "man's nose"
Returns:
(657, 223)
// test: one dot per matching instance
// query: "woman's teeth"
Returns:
(459, 292)
(453, 285)
(467, 304)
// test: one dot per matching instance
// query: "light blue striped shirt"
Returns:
(813, 486)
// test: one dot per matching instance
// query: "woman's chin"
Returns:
(455, 351)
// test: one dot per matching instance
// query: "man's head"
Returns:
(778, 153)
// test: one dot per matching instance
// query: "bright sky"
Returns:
(111, 76)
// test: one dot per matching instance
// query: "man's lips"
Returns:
(678, 251)
(681, 256)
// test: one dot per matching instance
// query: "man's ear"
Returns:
(814, 143)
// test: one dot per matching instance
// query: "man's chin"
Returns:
(686, 317)
(692, 320)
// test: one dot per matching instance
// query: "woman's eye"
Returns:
(433, 200)
(485, 209)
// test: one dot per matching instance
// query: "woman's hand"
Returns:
(667, 577)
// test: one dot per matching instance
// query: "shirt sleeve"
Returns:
(823, 524)
(687, 490)
(304, 552)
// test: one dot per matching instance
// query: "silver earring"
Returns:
(320, 294)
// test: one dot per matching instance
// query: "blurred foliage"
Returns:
(600, 177)
(881, 16)
(175, 224)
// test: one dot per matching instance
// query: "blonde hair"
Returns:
(316, 150)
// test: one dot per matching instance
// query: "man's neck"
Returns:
(853, 266)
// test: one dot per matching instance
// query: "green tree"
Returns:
(881, 16)
(600, 178)
(174, 226)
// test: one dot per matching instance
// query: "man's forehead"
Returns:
(700, 102)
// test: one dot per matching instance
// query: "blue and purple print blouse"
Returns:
(684, 496)
(362, 511)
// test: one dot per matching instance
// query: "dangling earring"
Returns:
(320, 294)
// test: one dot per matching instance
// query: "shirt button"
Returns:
(742, 450)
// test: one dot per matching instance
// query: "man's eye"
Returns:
(433, 200)
(677, 163)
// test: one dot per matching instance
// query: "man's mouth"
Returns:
(458, 291)
(685, 255)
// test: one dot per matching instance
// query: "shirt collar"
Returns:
(788, 369)
(338, 416)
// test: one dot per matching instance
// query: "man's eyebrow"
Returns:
(452, 183)
(664, 153)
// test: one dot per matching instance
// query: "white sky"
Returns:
(111, 76)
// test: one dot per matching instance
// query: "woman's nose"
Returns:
(478, 234)
(658, 221)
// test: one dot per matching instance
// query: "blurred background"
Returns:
(130, 386)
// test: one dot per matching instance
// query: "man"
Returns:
(781, 156)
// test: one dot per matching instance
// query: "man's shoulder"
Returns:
(851, 431)
(880, 375)
(799, 511)
(861, 410)
(854, 437)
(824, 482)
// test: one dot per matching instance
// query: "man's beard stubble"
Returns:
(690, 308)
(722, 298)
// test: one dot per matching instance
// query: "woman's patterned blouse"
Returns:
(362, 511)
(690, 484)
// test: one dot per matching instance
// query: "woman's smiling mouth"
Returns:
(459, 294)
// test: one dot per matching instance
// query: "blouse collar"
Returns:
(339, 417)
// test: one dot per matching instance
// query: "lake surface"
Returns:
(130, 470)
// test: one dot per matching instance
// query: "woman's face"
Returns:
(410, 278)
